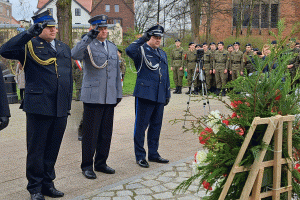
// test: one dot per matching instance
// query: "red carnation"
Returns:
(195, 156)
(278, 97)
(206, 185)
(247, 103)
(240, 131)
(239, 102)
(233, 104)
(233, 115)
(209, 130)
(226, 122)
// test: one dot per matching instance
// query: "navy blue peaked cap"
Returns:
(44, 17)
(99, 20)
(156, 30)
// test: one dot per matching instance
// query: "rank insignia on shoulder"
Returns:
(148, 48)
(41, 47)
(41, 43)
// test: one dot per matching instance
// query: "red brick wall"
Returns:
(126, 11)
(222, 23)
(3, 14)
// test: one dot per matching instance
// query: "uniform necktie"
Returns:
(103, 43)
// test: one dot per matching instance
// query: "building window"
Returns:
(116, 8)
(77, 12)
(117, 21)
(107, 8)
(260, 11)
(51, 10)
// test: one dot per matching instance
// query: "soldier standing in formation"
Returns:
(190, 63)
(77, 78)
(220, 68)
(177, 58)
(207, 66)
(47, 102)
(248, 59)
(4, 109)
(213, 48)
(101, 92)
(152, 93)
(236, 61)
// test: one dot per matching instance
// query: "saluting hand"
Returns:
(36, 29)
(93, 33)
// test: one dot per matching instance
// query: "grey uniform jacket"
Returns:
(99, 86)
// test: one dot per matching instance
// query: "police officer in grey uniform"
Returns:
(101, 91)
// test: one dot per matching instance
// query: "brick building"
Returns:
(266, 14)
(118, 11)
(5, 12)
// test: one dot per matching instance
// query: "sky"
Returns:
(23, 9)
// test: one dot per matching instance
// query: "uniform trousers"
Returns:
(190, 74)
(97, 131)
(221, 78)
(149, 114)
(178, 75)
(44, 136)
(208, 78)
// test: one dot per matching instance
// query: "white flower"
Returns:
(213, 120)
(200, 156)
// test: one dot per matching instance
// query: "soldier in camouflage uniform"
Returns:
(177, 56)
(213, 48)
(207, 66)
(220, 68)
(190, 62)
(230, 50)
(77, 78)
(236, 61)
(248, 59)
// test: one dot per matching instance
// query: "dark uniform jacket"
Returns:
(47, 92)
(153, 85)
(4, 109)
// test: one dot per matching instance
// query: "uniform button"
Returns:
(142, 83)
(58, 75)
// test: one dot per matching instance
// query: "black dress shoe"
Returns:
(37, 196)
(90, 174)
(105, 169)
(159, 160)
(52, 192)
(143, 163)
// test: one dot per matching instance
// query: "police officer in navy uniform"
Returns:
(4, 109)
(152, 93)
(47, 102)
(101, 91)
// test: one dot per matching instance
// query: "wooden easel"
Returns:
(254, 180)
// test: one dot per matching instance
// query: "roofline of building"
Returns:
(82, 6)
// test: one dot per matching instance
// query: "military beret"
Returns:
(255, 49)
(191, 43)
(274, 42)
(99, 20)
(44, 17)
(120, 51)
(199, 45)
(229, 46)
(156, 30)
(248, 44)
(297, 43)
(212, 43)
(236, 43)
(177, 40)
(221, 43)
(204, 43)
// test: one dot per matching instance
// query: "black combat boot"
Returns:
(188, 92)
(223, 92)
(179, 90)
(176, 90)
(195, 91)
(217, 92)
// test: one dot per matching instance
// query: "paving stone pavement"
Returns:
(157, 184)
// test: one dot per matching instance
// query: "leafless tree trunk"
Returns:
(64, 17)
(249, 29)
(196, 8)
